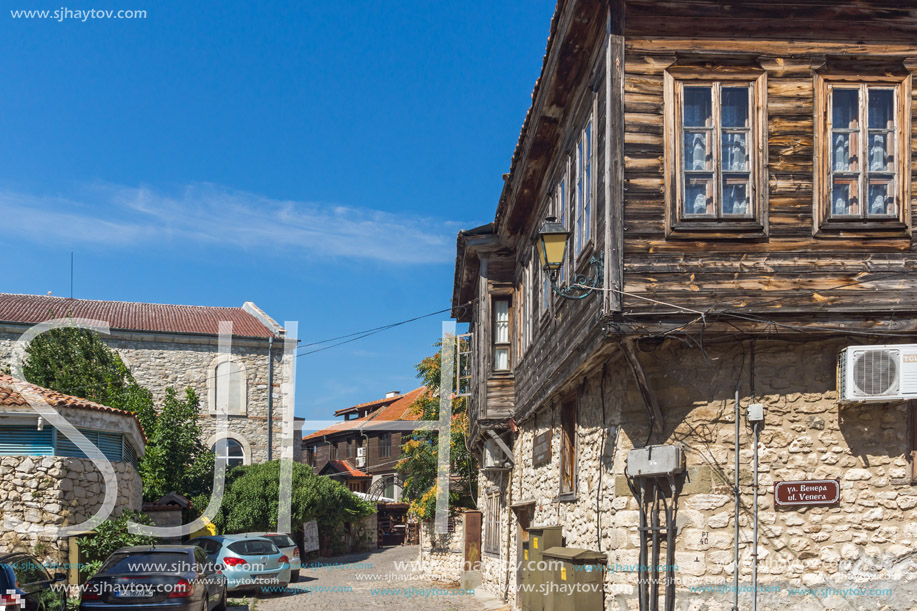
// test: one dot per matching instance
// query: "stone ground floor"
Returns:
(386, 578)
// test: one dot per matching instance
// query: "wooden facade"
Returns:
(787, 267)
(807, 239)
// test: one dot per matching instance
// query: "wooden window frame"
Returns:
(508, 344)
(385, 445)
(491, 543)
(825, 225)
(568, 423)
(680, 226)
(583, 198)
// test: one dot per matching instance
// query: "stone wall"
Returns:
(868, 539)
(442, 557)
(161, 361)
(40, 491)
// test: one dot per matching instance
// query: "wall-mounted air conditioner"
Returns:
(361, 451)
(494, 458)
(877, 373)
(361, 461)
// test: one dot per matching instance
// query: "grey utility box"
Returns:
(656, 461)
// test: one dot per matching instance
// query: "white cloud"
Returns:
(213, 216)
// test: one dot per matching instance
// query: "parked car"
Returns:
(285, 544)
(249, 563)
(156, 578)
(25, 585)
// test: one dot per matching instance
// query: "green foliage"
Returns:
(76, 362)
(418, 466)
(252, 494)
(110, 536)
(176, 460)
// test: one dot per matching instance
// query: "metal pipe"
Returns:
(754, 554)
(643, 585)
(654, 569)
(735, 561)
(270, 398)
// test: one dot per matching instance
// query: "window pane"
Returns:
(844, 196)
(501, 318)
(882, 152)
(845, 104)
(698, 195)
(881, 108)
(735, 195)
(882, 197)
(696, 157)
(697, 111)
(735, 152)
(501, 358)
(734, 102)
(844, 152)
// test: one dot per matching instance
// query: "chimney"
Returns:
(392, 393)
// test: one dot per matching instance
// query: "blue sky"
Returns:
(316, 158)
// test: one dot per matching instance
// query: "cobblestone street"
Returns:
(373, 580)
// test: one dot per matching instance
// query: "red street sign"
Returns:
(808, 492)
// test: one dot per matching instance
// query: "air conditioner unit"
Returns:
(494, 458)
(361, 451)
(877, 373)
(361, 461)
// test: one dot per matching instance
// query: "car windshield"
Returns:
(280, 540)
(253, 547)
(149, 562)
(7, 578)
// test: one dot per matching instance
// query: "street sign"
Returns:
(807, 492)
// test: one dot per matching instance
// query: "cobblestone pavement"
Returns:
(372, 581)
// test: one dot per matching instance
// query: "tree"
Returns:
(418, 467)
(108, 537)
(252, 495)
(76, 362)
(175, 459)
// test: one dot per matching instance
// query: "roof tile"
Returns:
(157, 317)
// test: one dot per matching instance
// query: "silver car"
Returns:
(248, 563)
(285, 544)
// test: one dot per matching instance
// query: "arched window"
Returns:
(229, 450)
(230, 388)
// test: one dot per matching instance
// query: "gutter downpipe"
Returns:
(735, 575)
(270, 398)
(754, 576)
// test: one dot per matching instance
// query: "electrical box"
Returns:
(540, 539)
(656, 461)
(755, 412)
(578, 575)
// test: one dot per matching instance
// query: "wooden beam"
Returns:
(649, 397)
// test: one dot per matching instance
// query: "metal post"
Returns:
(270, 398)
(754, 555)
(735, 565)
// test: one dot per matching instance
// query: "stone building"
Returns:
(728, 256)
(46, 481)
(177, 346)
(362, 451)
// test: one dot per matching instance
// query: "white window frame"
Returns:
(584, 184)
(507, 344)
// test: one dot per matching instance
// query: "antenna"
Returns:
(71, 274)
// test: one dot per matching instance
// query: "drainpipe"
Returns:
(270, 398)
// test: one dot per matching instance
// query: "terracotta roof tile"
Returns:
(400, 409)
(344, 467)
(158, 317)
(10, 397)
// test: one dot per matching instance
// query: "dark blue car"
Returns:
(156, 578)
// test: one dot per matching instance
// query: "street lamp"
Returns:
(552, 248)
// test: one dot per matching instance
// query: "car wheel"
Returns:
(294, 576)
